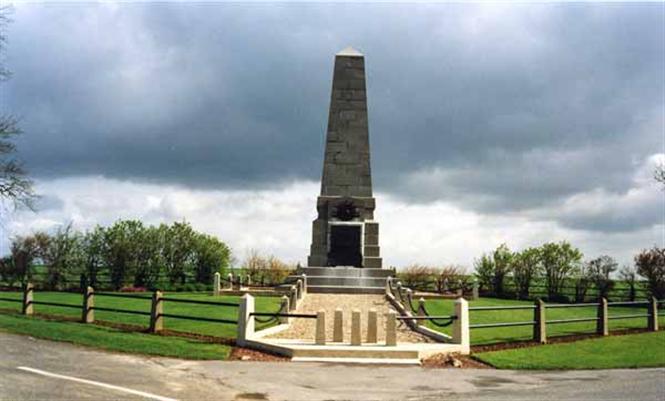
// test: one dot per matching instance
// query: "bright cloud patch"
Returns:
(278, 221)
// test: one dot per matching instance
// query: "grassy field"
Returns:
(629, 351)
(112, 339)
(504, 334)
(263, 304)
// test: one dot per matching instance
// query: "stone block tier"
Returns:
(345, 280)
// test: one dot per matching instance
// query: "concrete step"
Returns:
(372, 361)
(346, 281)
(345, 272)
(342, 289)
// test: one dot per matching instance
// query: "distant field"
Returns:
(629, 351)
(504, 334)
(263, 304)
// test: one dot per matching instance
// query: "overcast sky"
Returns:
(488, 123)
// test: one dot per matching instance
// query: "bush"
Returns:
(651, 265)
(416, 276)
(448, 276)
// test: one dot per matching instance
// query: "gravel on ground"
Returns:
(305, 328)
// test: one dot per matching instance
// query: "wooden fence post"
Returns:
(156, 319)
(653, 315)
(539, 329)
(88, 313)
(27, 298)
(602, 327)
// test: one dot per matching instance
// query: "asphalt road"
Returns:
(42, 370)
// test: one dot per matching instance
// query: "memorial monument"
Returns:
(345, 253)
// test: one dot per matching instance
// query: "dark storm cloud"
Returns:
(511, 108)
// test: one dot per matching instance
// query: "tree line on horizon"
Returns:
(127, 253)
(558, 268)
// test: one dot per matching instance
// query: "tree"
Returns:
(525, 266)
(599, 271)
(15, 185)
(484, 268)
(118, 250)
(629, 275)
(560, 261)
(210, 255)
(59, 254)
(92, 257)
(582, 282)
(178, 243)
(502, 260)
(651, 265)
(24, 251)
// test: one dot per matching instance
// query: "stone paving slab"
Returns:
(306, 328)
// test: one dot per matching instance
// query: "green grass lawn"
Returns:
(112, 339)
(626, 351)
(503, 334)
(263, 304)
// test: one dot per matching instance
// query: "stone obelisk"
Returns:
(345, 233)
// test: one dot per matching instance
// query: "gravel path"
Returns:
(305, 328)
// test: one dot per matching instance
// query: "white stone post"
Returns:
(338, 326)
(371, 326)
(245, 320)
(421, 311)
(476, 291)
(293, 302)
(284, 308)
(299, 288)
(389, 281)
(304, 283)
(248, 280)
(355, 327)
(216, 286)
(461, 325)
(320, 338)
(229, 278)
(391, 328)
